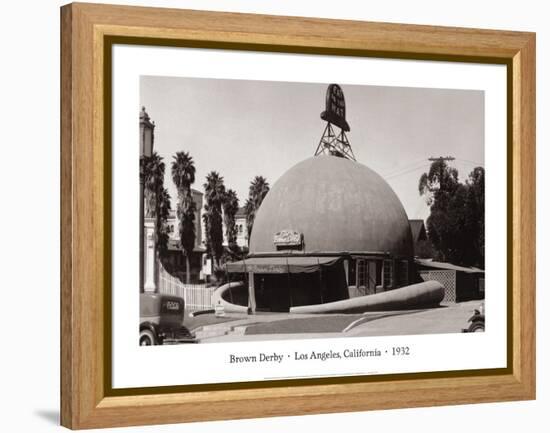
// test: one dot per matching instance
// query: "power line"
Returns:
(441, 158)
(404, 172)
(470, 162)
(406, 166)
(420, 163)
(431, 158)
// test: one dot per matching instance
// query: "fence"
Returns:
(446, 278)
(196, 296)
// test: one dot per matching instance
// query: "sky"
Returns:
(247, 128)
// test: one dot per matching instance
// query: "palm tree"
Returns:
(183, 175)
(230, 208)
(214, 192)
(259, 187)
(153, 182)
(157, 202)
(207, 243)
(163, 212)
(157, 197)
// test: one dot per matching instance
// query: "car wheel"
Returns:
(147, 338)
(477, 327)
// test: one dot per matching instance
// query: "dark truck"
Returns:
(161, 320)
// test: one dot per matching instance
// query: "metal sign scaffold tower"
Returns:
(334, 142)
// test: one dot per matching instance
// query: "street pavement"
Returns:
(447, 319)
(450, 318)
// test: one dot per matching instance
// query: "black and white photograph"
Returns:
(274, 210)
(266, 216)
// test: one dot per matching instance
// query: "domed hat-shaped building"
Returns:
(330, 229)
(338, 206)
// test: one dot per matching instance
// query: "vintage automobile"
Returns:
(477, 321)
(161, 320)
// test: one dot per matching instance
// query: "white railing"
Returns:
(196, 296)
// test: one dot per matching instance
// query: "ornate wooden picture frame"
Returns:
(88, 32)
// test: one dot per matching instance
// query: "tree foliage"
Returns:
(157, 199)
(186, 212)
(259, 187)
(163, 212)
(207, 242)
(183, 175)
(153, 182)
(230, 208)
(214, 193)
(457, 213)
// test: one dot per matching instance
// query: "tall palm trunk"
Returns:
(187, 269)
(183, 175)
(214, 194)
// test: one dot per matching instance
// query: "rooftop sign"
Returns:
(335, 107)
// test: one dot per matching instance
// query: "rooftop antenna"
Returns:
(335, 142)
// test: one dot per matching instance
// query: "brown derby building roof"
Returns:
(338, 205)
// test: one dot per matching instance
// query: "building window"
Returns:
(388, 274)
(361, 273)
(352, 280)
(379, 266)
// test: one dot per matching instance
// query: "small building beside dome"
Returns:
(329, 229)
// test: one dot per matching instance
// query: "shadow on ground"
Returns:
(50, 415)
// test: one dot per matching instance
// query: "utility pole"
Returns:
(441, 158)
